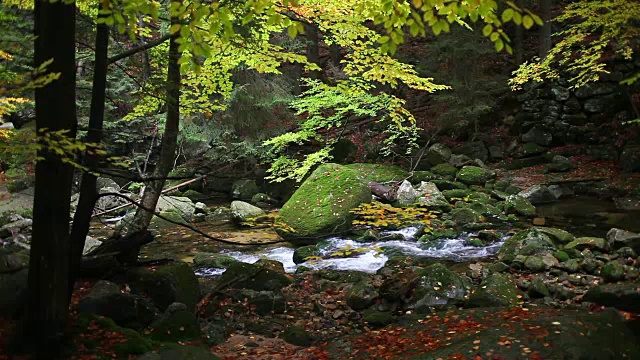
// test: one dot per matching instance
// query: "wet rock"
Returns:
(449, 185)
(437, 288)
(516, 204)
(589, 243)
(561, 256)
(177, 323)
(262, 198)
(244, 189)
(464, 216)
(560, 93)
(397, 286)
(590, 265)
(538, 194)
(474, 150)
(561, 191)
(126, 310)
(613, 271)
(242, 211)
(473, 175)
(570, 266)
(618, 238)
(538, 289)
(625, 296)
(166, 284)
(178, 204)
(313, 209)
(379, 173)
(495, 290)
(627, 252)
(369, 235)
(406, 194)
(90, 244)
(361, 295)
(218, 215)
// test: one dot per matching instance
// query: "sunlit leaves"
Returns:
(380, 215)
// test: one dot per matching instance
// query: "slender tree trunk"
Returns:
(88, 191)
(169, 142)
(48, 297)
(545, 30)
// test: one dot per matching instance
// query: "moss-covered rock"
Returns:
(130, 341)
(515, 204)
(321, 205)
(538, 289)
(534, 264)
(558, 236)
(445, 170)
(624, 296)
(527, 242)
(177, 324)
(436, 234)
(255, 277)
(474, 175)
(242, 211)
(212, 260)
(495, 290)
(420, 176)
(464, 216)
(561, 256)
(612, 271)
(571, 266)
(377, 319)
(302, 253)
(588, 243)
(297, 335)
(361, 295)
(262, 302)
(449, 185)
(166, 284)
(456, 194)
(171, 218)
(379, 173)
(430, 196)
(437, 288)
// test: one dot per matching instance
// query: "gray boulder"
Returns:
(406, 194)
(179, 204)
(242, 211)
(538, 194)
(431, 196)
(438, 154)
(90, 244)
(619, 238)
(537, 136)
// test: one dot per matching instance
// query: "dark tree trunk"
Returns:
(153, 189)
(519, 39)
(48, 296)
(545, 30)
(88, 191)
(313, 49)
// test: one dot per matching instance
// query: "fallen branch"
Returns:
(163, 192)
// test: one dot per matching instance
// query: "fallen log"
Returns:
(383, 192)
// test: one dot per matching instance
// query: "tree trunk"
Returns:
(48, 297)
(169, 143)
(313, 49)
(88, 191)
(545, 30)
(519, 39)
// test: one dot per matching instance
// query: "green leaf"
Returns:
(487, 30)
(293, 31)
(537, 19)
(494, 36)
(507, 15)
(527, 22)
(517, 18)
(499, 45)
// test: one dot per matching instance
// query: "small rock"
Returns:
(613, 271)
(538, 289)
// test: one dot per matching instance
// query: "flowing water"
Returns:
(366, 257)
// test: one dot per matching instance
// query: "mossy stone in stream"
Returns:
(303, 253)
(475, 242)
(527, 242)
(250, 276)
(439, 234)
(172, 217)
(322, 204)
(496, 290)
(213, 260)
(515, 204)
(463, 216)
(538, 289)
(535, 264)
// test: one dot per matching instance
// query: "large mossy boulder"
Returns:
(495, 290)
(129, 342)
(528, 243)
(166, 284)
(437, 288)
(594, 243)
(430, 196)
(242, 211)
(322, 204)
(379, 173)
(474, 175)
(176, 324)
(179, 204)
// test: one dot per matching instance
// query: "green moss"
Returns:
(455, 194)
(588, 243)
(473, 175)
(178, 326)
(321, 205)
(439, 234)
(518, 205)
(166, 284)
(561, 256)
(172, 215)
(445, 169)
(379, 173)
(495, 290)
(213, 260)
(558, 235)
(419, 176)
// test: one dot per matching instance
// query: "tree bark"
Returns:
(88, 191)
(519, 39)
(313, 49)
(153, 189)
(48, 297)
(545, 30)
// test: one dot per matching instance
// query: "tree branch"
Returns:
(138, 49)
